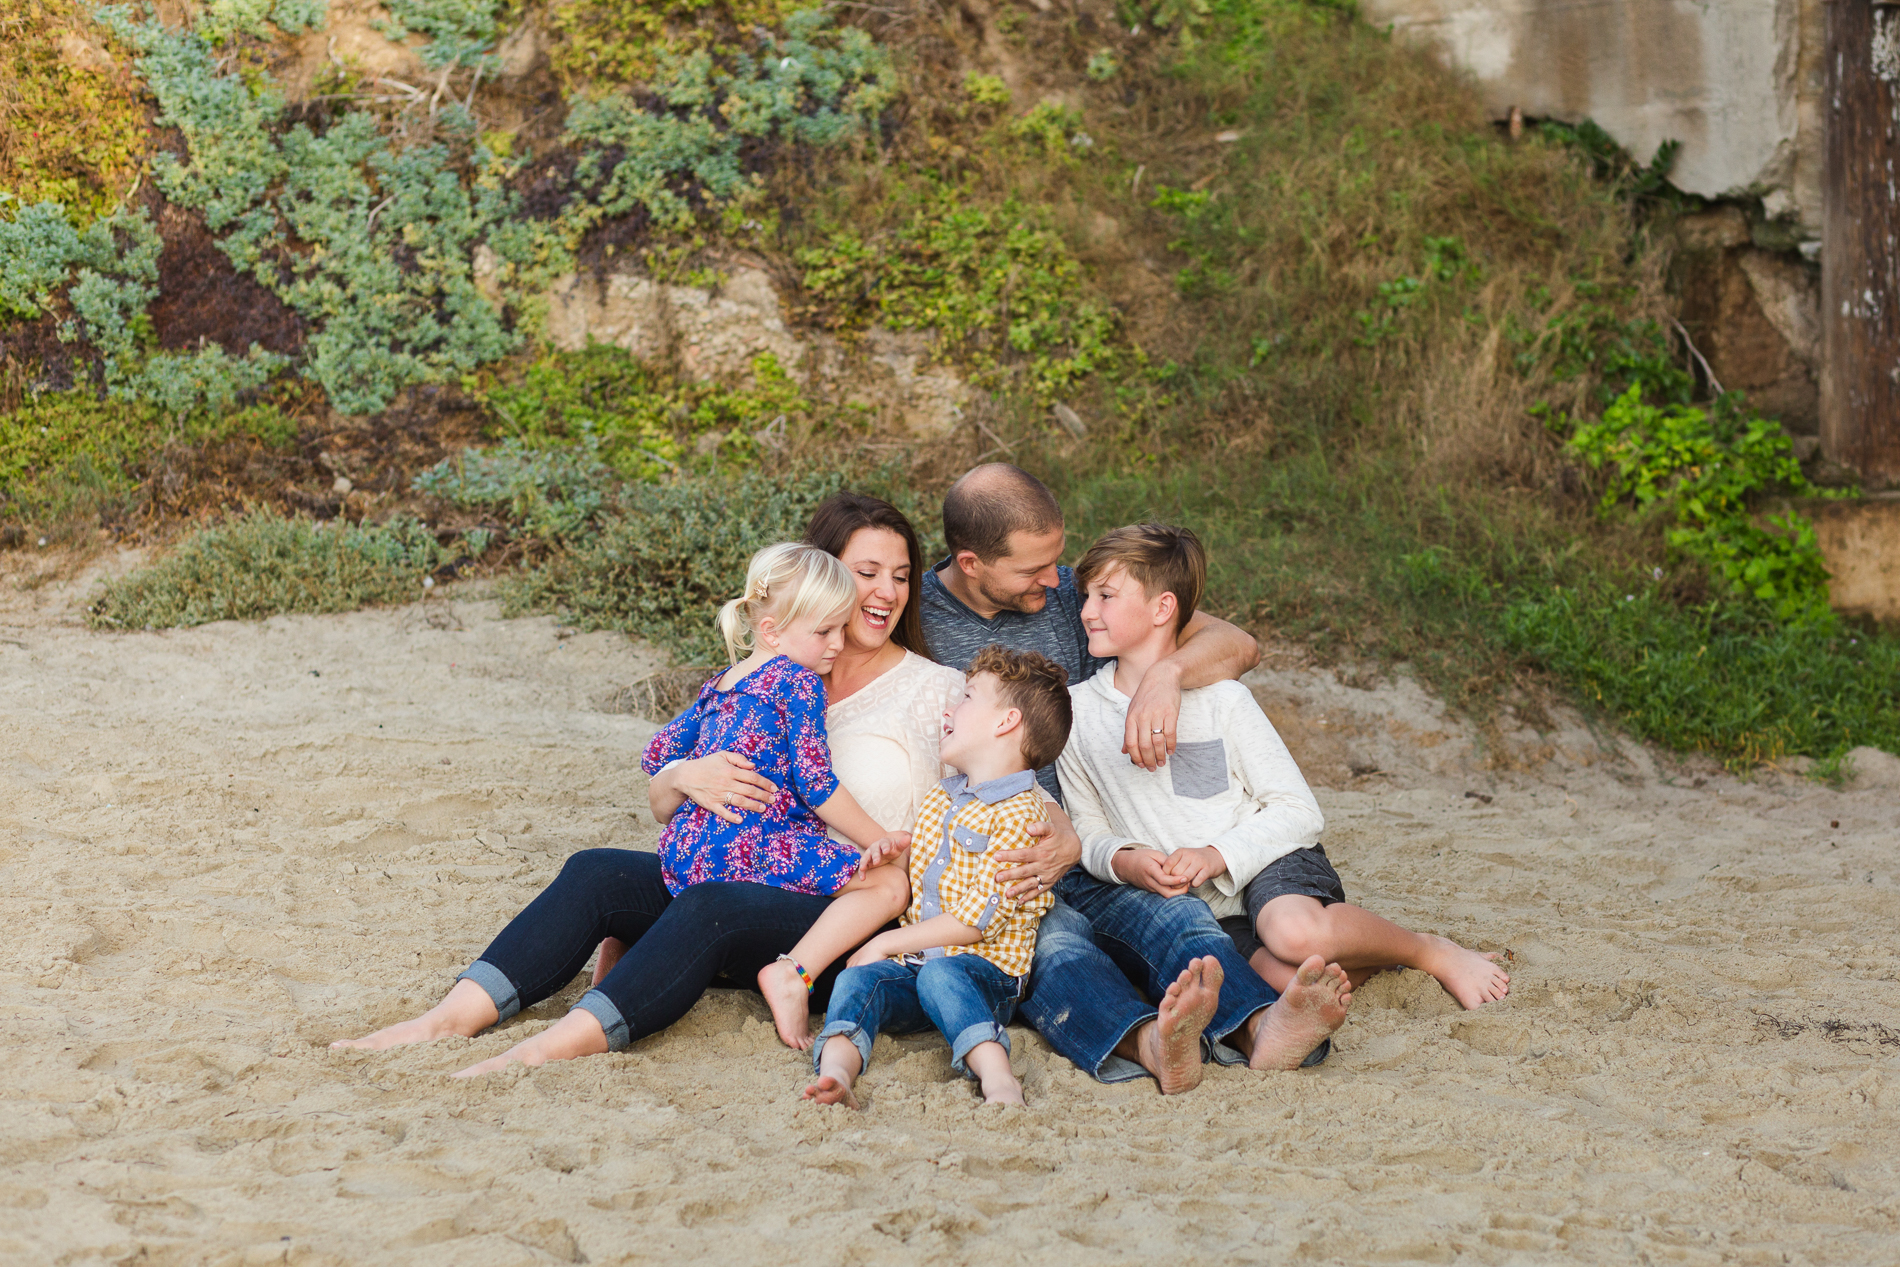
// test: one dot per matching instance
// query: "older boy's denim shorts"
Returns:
(1307, 872)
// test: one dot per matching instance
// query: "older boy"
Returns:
(964, 950)
(1231, 820)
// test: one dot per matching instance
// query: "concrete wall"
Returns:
(1738, 82)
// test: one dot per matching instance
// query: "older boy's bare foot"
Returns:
(790, 1001)
(1169, 1047)
(1470, 976)
(611, 948)
(464, 1012)
(1312, 1007)
(576, 1034)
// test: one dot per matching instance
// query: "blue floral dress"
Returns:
(775, 718)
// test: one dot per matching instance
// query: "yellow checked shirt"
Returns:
(954, 859)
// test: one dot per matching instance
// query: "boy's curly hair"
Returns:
(1037, 687)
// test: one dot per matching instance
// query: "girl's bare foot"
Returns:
(1312, 1007)
(1472, 977)
(838, 1066)
(790, 1001)
(1169, 1047)
(464, 1012)
(611, 948)
(576, 1034)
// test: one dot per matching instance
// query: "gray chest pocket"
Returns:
(967, 840)
(1200, 769)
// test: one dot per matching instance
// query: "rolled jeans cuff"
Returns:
(612, 1023)
(498, 987)
(859, 1039)
(971, 1037)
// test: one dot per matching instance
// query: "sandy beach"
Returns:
(224, 847)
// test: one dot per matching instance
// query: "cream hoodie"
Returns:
(1231, 784)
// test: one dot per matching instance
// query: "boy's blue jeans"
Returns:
(1101, 937)
(968, 998)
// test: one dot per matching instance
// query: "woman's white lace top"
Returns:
(884, 739)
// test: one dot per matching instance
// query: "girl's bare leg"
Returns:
(990, 1063)
(838, 1067)
(464, 1012)
(611, 948)
(873, 899)
(576, 1034)
(1295, 927)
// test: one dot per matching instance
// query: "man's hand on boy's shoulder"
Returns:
(1054, 849)
(1147, 869)
(1195, 867)
(1148, 735)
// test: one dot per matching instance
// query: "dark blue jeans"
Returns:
(1097, 940)
(677, 946)
(968, 998)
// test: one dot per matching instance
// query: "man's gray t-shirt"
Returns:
(956, 634)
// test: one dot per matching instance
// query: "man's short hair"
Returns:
(1160, 558)
(983, 508)
(1037, 687)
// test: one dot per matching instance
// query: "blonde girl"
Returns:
(782, 635)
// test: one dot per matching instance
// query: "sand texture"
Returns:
(224, 847)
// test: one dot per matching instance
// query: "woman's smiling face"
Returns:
(880, 563)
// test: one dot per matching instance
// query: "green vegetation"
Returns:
(459, 32)
(811, 85)
(1707, 466)
(265, 565)
(73, 127)
(621, 41)
(662, 564)
(67, 455)
(641, 422)
(1000, 287)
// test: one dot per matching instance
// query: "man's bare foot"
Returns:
(611, 948)
(1470, 976)
(838, 1066)
(790, 1001)
(576, 1034)
(1004, 1091)
(1312, 1007)
(464, 1012)
(1169, 1046)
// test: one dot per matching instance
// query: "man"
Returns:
(1003, 583)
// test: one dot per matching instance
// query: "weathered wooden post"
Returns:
(1860, 241)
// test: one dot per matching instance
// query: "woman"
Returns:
(886, 704)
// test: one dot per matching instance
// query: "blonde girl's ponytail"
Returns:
(790, 581)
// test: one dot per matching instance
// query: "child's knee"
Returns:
(892, 884)
(1293, 929)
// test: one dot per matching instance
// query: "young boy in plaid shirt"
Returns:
(963, 952)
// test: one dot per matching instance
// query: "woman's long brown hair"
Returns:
(841, 515)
